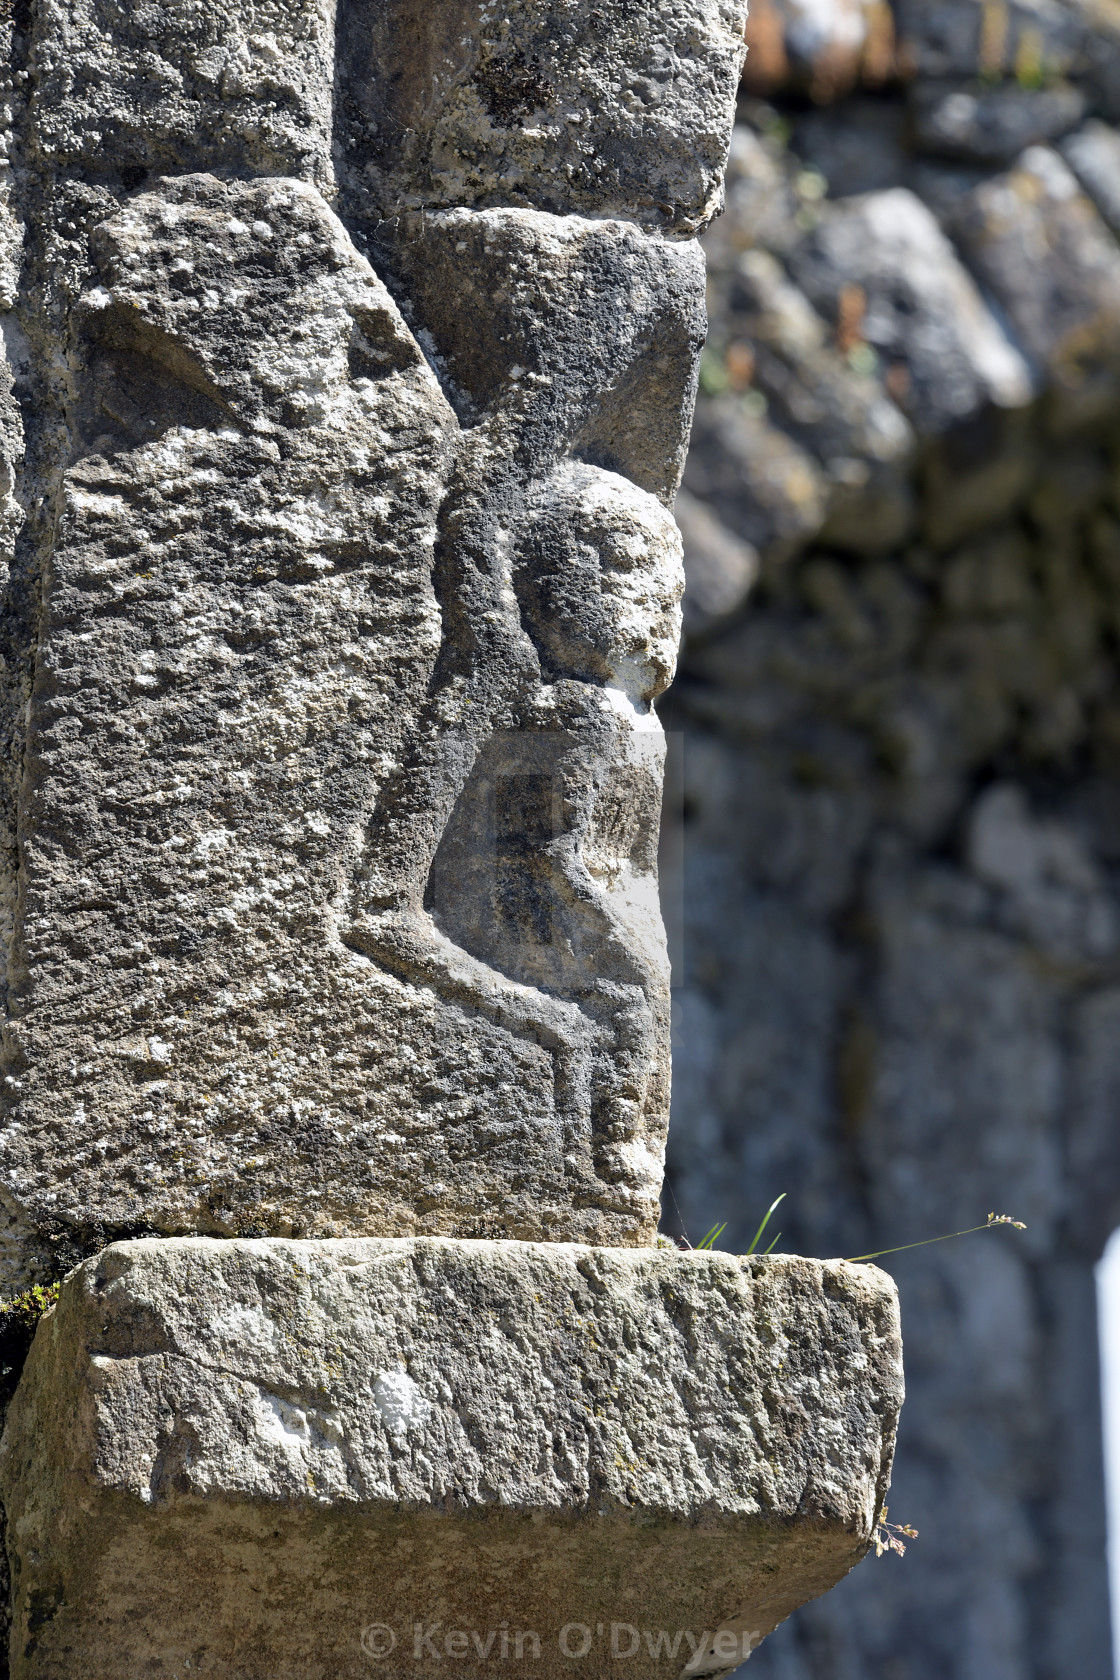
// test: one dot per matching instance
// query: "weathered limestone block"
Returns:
(357, 350)
(573, 339)
(245, 659)
(142, 87)
(420, 1438)
(242, 573)
(607, 110)
(343, 612)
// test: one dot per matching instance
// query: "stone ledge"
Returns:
(263, 1447)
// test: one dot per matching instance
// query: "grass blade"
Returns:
(993, 1219)
(765, 1222)
(712, 1237)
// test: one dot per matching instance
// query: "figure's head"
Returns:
(599, 576)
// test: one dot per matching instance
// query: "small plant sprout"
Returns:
(753, 1249)
(993, 1219)
(710, 1238)
(887, 1536)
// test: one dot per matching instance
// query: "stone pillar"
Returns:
(356, 356)
(328, 568)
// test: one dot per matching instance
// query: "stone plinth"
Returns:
(287, 1460)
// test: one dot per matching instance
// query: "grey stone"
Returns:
(260, 884)
(756, 478)
(349, 394)
(611, 110)
(1093, 153)
(921, 309)
(858, 146)
(776, 1017)
(576, 339)
(144, 87)
(817, 394)
(802, 436)
(1052, 890)
(991, 124)
(897, 872)
(837, 411)
(994, 1011)
(962, 37)
(329, 690)
(719, 568)
(439, 1435)
(1043, 251)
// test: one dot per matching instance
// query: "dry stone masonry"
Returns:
(351, 356)
(900, 986)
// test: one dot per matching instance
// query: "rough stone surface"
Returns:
(616, 110)
(893, 852)
(231, 697)
(344, 587)
(465, 1435)
(116, 88)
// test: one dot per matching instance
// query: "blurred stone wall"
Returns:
(898, 727)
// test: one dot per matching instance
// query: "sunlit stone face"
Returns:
(600, 577)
